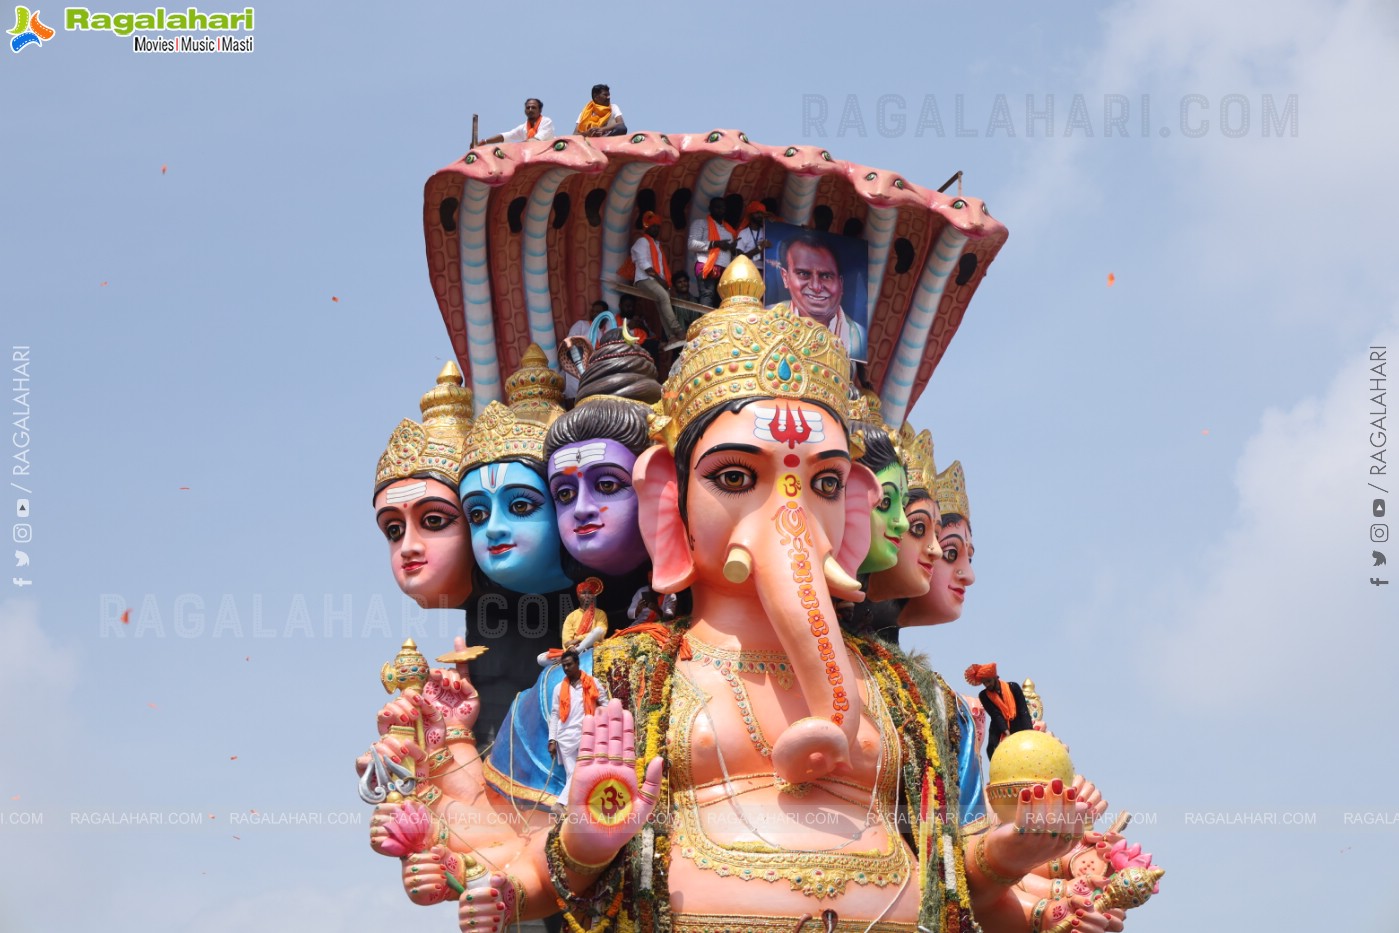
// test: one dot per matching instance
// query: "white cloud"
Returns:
(34, 671)
(1284, 596)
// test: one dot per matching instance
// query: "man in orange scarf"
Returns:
(536, 126)
(1004, 703)
(579, 695)
(653, 276)
(600, 117)
(711, 241)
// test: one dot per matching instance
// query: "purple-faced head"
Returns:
(591, 451)
(596, 504)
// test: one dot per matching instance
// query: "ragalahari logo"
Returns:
(28, 30)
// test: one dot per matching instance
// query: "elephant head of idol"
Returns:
(752, 500)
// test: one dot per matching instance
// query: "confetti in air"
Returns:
(163, 168)
(1111, 278)
(232, 757)
(126, 617)
(1205, 432)
(184, 489)
(334, 298)
(152, 706)
(103, 285)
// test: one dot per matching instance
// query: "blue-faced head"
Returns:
(514, 530)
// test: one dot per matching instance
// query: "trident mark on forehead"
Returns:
(786, 425)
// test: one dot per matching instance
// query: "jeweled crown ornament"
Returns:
(950, 490)
(535, 391)
(498, 433)
(437, 447)
(740, 350)
(917, 453)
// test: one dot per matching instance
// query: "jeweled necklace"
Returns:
(730, 664)
(733, 796)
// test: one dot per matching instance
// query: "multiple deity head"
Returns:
(755, 442)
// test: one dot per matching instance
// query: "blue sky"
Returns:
(1168, 477)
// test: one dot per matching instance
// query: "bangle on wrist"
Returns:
(1037, 915)
(579, 867)
(983, 862)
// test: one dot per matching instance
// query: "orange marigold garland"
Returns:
(946, 900)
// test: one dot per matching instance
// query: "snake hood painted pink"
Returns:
(522, 238)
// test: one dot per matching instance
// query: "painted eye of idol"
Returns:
(470, 158)
(731, 478)
(828, 485)
(959, 204)
(714, 137)
(899, 183)
(871, 176)
(562, 144)
(826, 155)
(791, 151)
(499, 153)
(439, 519)
(918, 527)
(525, 504)
(639, 138)
(743, 136)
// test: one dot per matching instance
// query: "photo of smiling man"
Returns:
(823, 277)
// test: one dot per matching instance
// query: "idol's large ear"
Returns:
(658, 502)
(862, 491)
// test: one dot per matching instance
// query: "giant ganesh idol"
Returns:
(810, 777)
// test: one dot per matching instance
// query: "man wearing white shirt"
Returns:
(711, 244)
(578, 695)
(653, 275)
(752, 239)
(600, 117)
(536, 126)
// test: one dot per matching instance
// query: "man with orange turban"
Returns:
(752, 239)
(1004, 703)
(711, 244)
(653, 275)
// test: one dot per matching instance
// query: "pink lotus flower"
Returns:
(408, 830)
(1121, 856)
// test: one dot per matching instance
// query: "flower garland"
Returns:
(639, 670)
(946, 900)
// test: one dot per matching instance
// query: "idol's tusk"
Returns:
(738, 566)
(837, 578)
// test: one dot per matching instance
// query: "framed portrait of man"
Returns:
(822, 276)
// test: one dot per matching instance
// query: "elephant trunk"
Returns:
(796, 596)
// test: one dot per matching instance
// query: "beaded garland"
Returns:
(730, 664)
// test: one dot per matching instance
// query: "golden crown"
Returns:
(950, 490)
(916, 451)
(499, 433)
(437, 447)
(534, 392)
(867, 407)
(739, 350)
